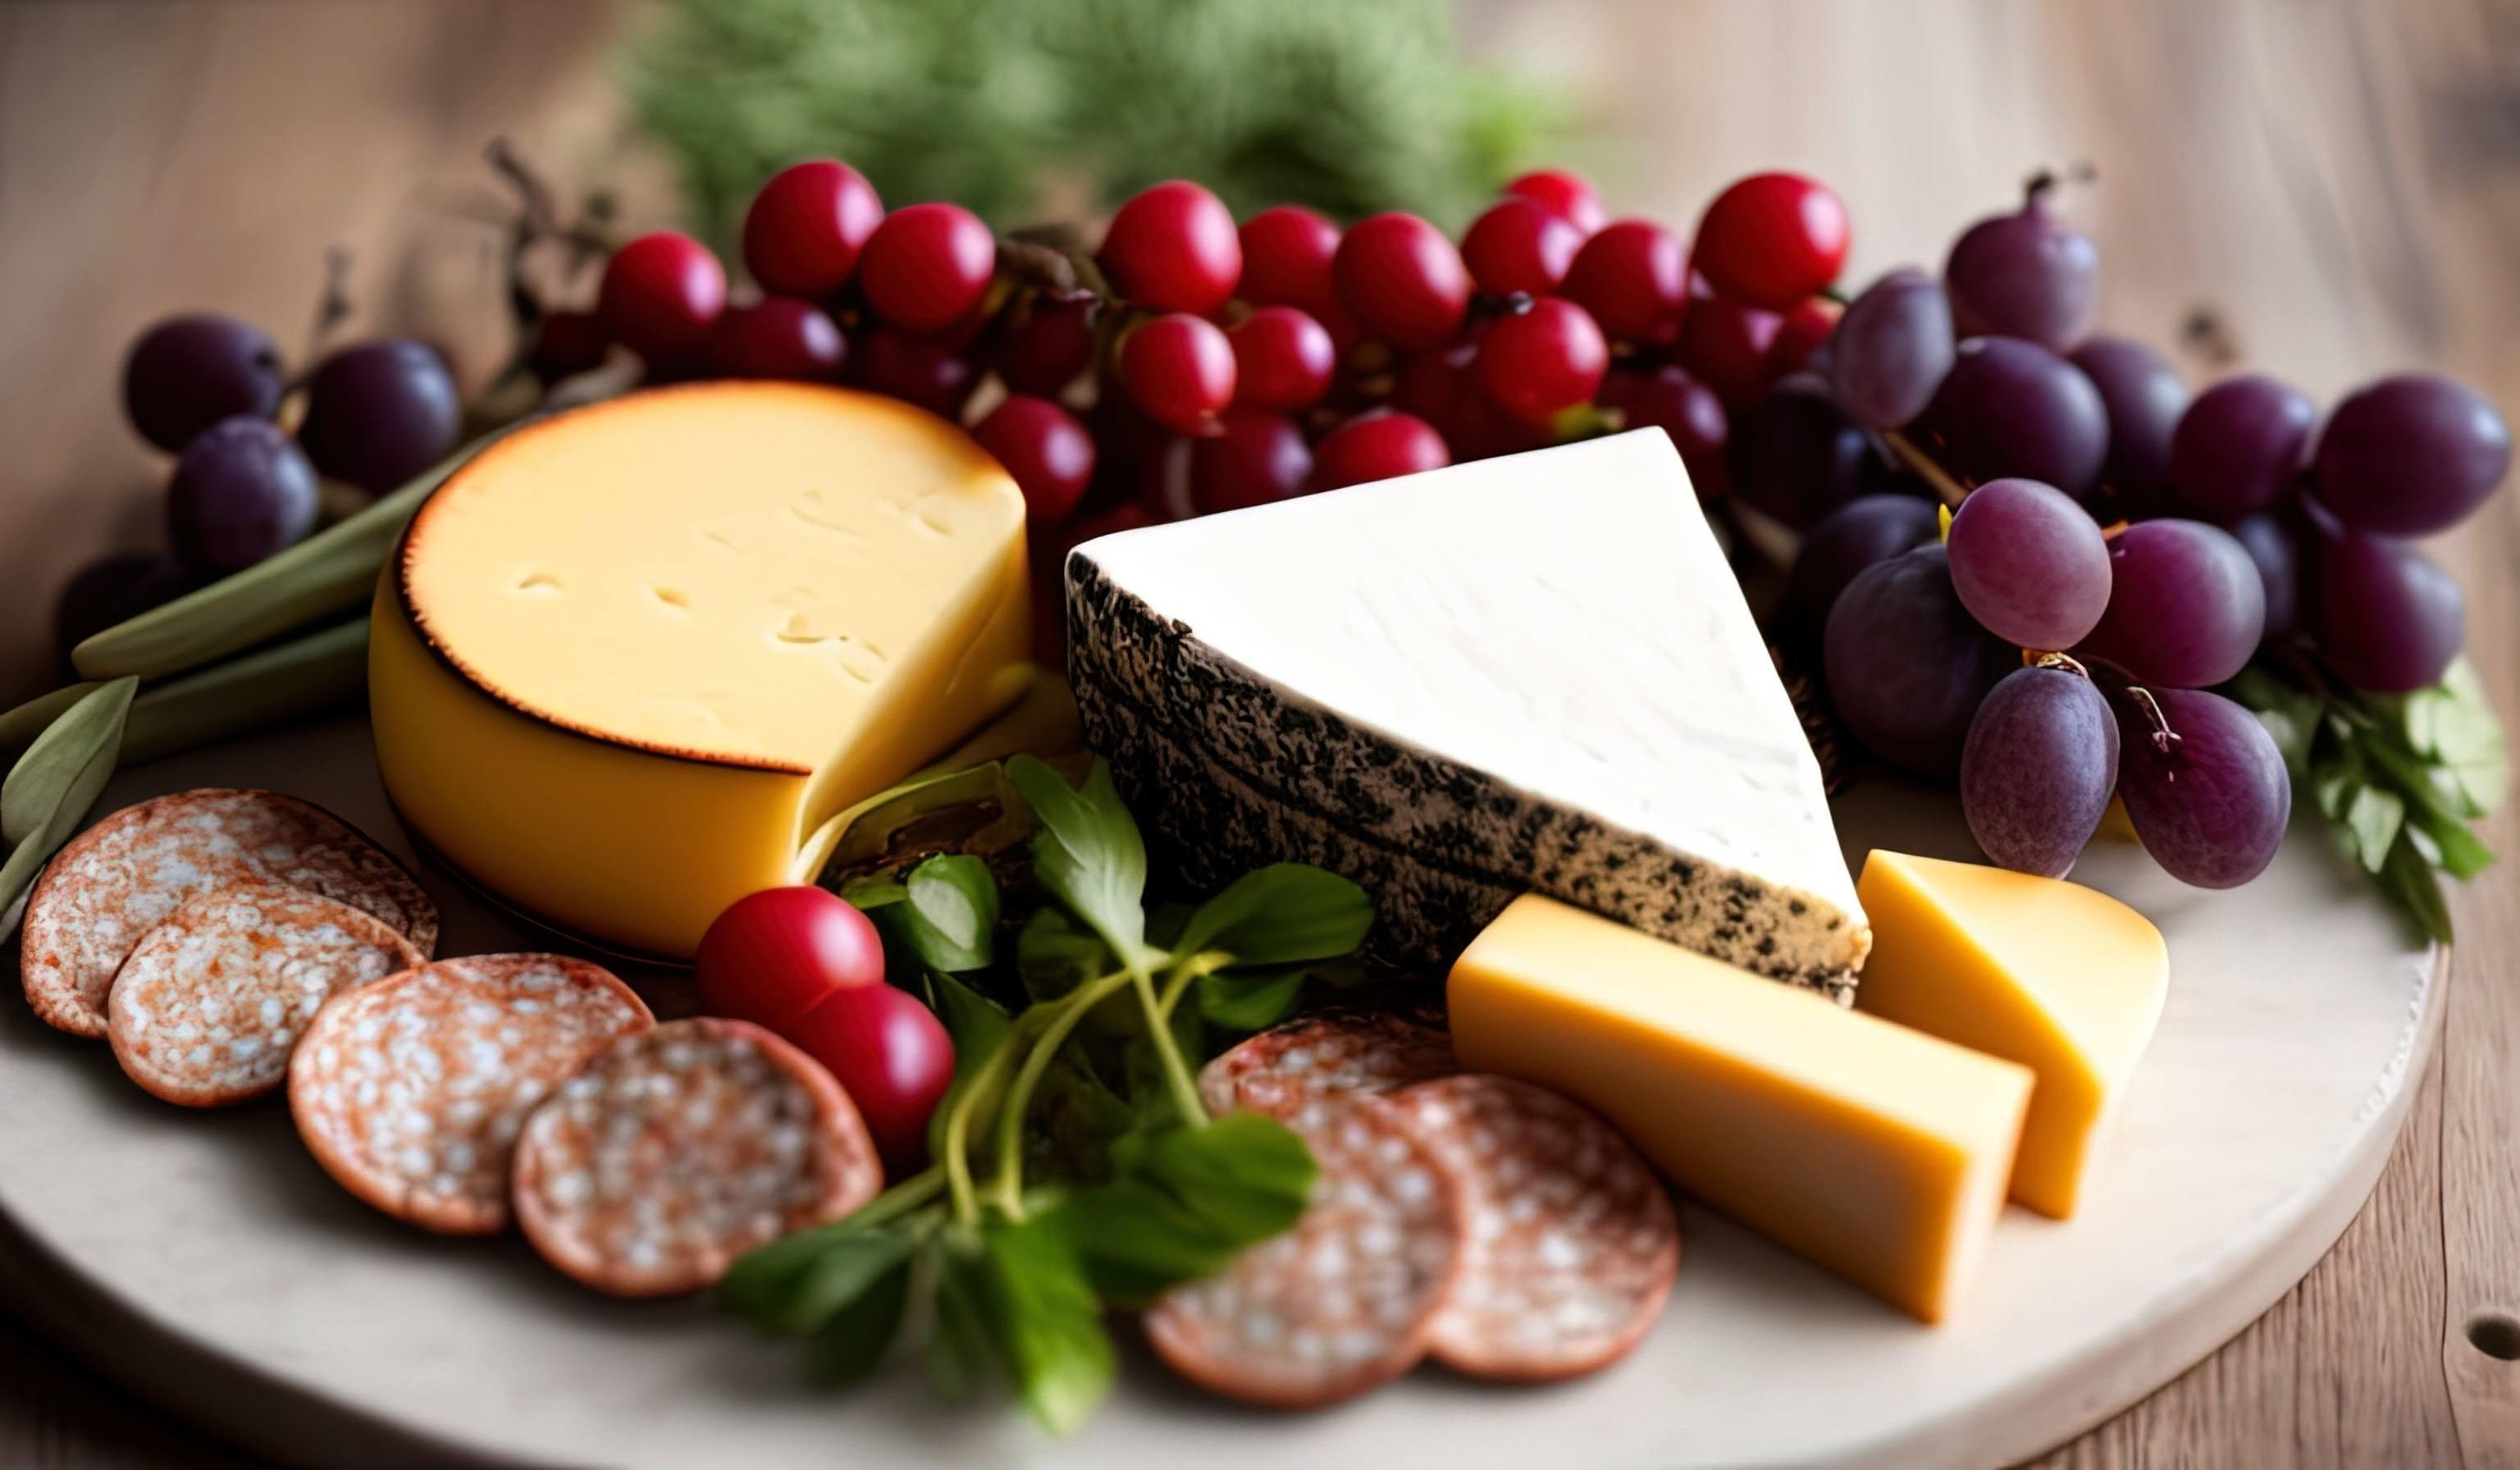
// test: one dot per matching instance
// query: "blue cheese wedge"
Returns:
(1529, 674)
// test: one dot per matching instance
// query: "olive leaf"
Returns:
(54, 784)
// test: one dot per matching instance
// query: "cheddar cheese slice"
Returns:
(2064, 980)
(626, 660)
(1878, 1152)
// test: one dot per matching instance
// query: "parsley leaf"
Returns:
(1284, 913)
(978, 1026)
(1047, 1322)
(954, 902)
(1088, 851)
(1186, 1200)
(853, 1340)
(800, 1283)
(1250, 1002)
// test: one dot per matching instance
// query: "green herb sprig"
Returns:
(1057, 1194)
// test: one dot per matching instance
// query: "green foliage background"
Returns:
(1007, 106)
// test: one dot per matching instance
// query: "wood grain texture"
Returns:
(2339, 179)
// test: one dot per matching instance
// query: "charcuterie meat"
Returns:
(1300, 1073)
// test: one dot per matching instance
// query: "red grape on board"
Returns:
(187, 373)
(778, 337)
(805, 229)
(2383, 616)
(2186, 607)
(1865, 531)
(1563, 193)
(1773, 239)
(1403, 281)
(1287, 256)
(1378, 446)
(1687, 411)
(111, 590)
(1047, 452)
(380, 413)
(2037, 771)
(1256, 457)
(775, 955)
(1282, 359)
(915, 368)
(1633, 277)
(2144, 397)
(661, 294)
(1725, 345)
(1519, 247)
(1539, 361)
(2272, 540)
(1181, 370)
(2025, 273)
(927, 266)
(1050, 344)
(242, 491)
(2209, 805)
(2029, 563)
(2238, 447)
(568, 343)
(1892, 349)
(1794, 457)
(1907, 666)
(892, 1055)
(2411, 455)
(2009, 406)
(1173, 248)
(1804, 330)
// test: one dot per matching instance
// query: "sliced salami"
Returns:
(1572, 1244)
(1345, 1301)
(1302, 1072)
(213, 1000)
(410, 1091)
(120, 877)
(676, 1150)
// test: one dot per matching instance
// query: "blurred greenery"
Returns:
(1013, 108)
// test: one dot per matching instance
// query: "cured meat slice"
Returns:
(211, 1004)
(1348, 1299)
(411, 1092)
(678, 1149)
(1572, 1244)
(1302, 1072)
(117, 879)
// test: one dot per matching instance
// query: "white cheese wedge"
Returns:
(1533, 673)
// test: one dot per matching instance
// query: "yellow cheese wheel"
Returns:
(626, 660)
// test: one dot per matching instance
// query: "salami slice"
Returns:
(678, 1149)
(209, 1006)
(1302, 1072)
(410, 1091)
(118, 878)
(1348, 1299)
(1572, 1244)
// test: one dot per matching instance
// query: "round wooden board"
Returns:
(208, 1261)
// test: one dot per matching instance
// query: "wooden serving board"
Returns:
(206, 1261)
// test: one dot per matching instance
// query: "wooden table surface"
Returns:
(2339, 179)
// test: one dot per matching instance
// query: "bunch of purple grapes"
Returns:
(211, 390)
(2047, 663)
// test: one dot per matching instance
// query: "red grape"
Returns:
(1773, 239)
(1519, 247)
(2411, 455)
(1173, 248)
(2210, 806)
(1805, 331)
(1562, 193)
(242, 491)
(2186, 607)
(2384, 618)
(927, 266)
(1435, 383)
(568, 343)
(775, 955)
(1378, 446)
(1179, 368)
(661, 294)
(111, 590)
(1255, 457)
(1687, 411)
(892, 1055)
(916, 368)
(1867, 530)
(2270, 538)
(2010, 407)
(1633, 277)
(1047, 452)
(805, 229)
(1725, 345)
(2036, 774)
(2239, 446)
(1282, 359)
(380, 413)
(1539, 361)
(2025, 275)
(1403, 279)
(1287, 256)
(1794, 457)
(1050, 345)
(187, 373)
(1907, 666)
(2145, 396)
(781, 338)
(1892, 349)
(2029, 563)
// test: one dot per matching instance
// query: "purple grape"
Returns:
(2014, 407)
(2186, 608)
(1907, 666)
(111, 590)
(1795, 456)
(2211, 805)
(2025, 275)
(2036, 775)
(2238, 447)
(1867, 529)
(187, 373)
(2145, 396)
(2271, 544)
(2029, 563)
(380, 413)
(1892, 349)
(2384, 618)
(242, 491)
(2411, 455)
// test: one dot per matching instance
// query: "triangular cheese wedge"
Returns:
(2062, 979)
(1533, 673)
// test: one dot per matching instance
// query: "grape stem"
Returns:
(2163, 737)
(1952, 490)
(2066, 661)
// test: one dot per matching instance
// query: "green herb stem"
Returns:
(1008, 1187)
(902, 1198)
(1160, 1032)
(957, 1136)
(1185, 972)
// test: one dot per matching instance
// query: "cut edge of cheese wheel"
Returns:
(211, 1002)
(664, 1208)
(1572, 1245)
(627, 660)
(410, 1091)
(1345, 1301)
(2062, 978)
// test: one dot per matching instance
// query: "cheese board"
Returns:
(206, 1261)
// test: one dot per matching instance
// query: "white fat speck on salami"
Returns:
(1301, 1073)
(124, 875)
(674, 1151)
(1348, 1299)
(213, 1000)
(1572, 1243)
(411, 1092)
